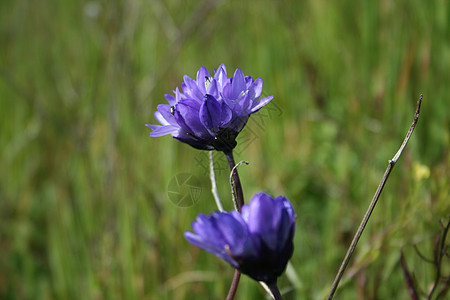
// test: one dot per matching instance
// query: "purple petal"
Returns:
(248, 81)
(233, 229)
(217, 231)
(187, 116)
(179, 95)
(227, 114)
(163, 114)
(191, 140)
(191, 89)
(245, 212)
(263, 218)
(284, 227)
(237, 85)
(171, 99)
(227, 93)
(245, 105)
(221, 253)
(261, 103)
(153, 127)
(255, 89)
(237, 122)
(221, 76)
(284, 202)
(206, 228)
(212, 89)
(202, 74)
(162, 130)
(210, 114)
(160, 118)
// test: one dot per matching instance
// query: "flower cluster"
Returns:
(208, 114)
(257, 242)
(210, 111)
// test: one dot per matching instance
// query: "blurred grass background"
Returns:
(84, 204)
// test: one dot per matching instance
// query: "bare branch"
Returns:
(408, 278)
(374, 201)
(422, 256)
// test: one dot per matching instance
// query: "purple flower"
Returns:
(210, 111)
(257, 242)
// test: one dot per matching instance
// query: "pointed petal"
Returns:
(163, 130)
(221, 76)
(227, 114)
(153, 127)
(245, 105)
(171, 99)
(233, 229)
(248, 81)
(212, 89)
(258, 105)
(202, 74)
(191, 90)
(238, 84)
(165, 114)
(201, 243)
(210, 113)
(263, 219)
(284, 229)
(187, 116)
(255, 89)
(160, 118)
(179, 95)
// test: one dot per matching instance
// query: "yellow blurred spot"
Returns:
(421, 172)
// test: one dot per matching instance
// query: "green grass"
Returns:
(84, 207)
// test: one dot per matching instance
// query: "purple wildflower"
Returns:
(210, 111)
(257, 242)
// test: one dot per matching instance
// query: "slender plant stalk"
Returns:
(372, 204)
(212, 176)
(233, 187)
(234, 285)
(275, 292)
(439, 254)
(239, 204)
(408, 278)
(237, 181)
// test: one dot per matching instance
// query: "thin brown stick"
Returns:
(374, 201)
(408, 278)
(439, 250)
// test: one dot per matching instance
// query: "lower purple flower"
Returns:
(257, 242)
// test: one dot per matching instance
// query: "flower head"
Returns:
(257, 242)
(210, 111)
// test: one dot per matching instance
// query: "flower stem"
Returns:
(212, 176)
(372, 204)
(234, 285)
(240, 203)
(232, 184)
(275, 291)
(237, 181)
